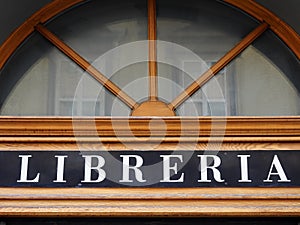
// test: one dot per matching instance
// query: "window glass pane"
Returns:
(193, 35)
(133, 80)
(108, 35)
(96, 27)
(261, 81)
(196, 32)
(39, 80)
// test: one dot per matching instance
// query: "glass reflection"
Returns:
(252, 84)
(207, 28)
(39, 80)
(49, 83)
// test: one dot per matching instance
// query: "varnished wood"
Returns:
(85, 65)
(188, 202)
(284, 31)
(147, 140)
(144, 202)
(224, 61)
(248, 127)
(168, 126)
(232, 133)
(150, 193)
(153, 108)
(80, 144)
(150, 208)
(153, 90)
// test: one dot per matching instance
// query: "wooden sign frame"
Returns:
(25, 134)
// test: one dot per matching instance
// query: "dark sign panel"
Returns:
(150, 169)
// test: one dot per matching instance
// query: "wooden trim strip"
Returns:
(149, 208)
(144, 202)
(153, 92)
(160, 127)
(284, 31)
(85, 65)
(108, 145)
(224, 61)
(148, 140)
(150, 193)
(232, 133)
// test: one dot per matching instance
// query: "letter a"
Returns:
(280, 172)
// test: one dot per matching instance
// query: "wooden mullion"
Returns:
(85, 65)
(224, 61)
(152, 50)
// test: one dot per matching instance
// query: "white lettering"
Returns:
(280, 172)
(60, 169)
(24, 170)
(167, 168)
(244, 169)
(88, 169)
(126, 168)
(216, 161)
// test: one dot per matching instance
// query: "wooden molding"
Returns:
(139, 126)
(150, 208)
(24, 133)
(150, 193)
(176, 202)
(232, 133)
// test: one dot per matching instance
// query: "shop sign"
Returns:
(149, 169)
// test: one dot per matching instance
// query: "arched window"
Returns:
(139, 58)
(151, 75)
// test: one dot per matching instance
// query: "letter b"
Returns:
(88, 169)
